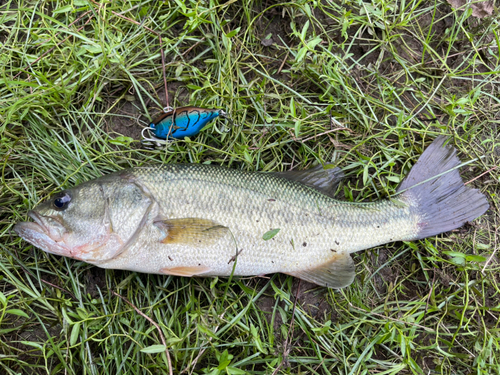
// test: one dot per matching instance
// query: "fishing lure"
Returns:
(182, 122)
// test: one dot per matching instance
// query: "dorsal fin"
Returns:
(324, 180)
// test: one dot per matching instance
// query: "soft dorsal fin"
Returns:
(337, 273)
(190, 231)
(323, 180)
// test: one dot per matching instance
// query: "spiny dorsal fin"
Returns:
(337, 273)
(190, 231)
(323, 180)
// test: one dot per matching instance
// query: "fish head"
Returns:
(74, 223)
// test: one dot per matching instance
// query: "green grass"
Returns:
(363, 85)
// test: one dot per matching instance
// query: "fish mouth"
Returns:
(39, 223)
(27, 228)
(41, 235)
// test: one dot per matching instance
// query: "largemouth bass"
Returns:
(203, 220)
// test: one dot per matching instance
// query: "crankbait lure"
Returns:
(181, 122)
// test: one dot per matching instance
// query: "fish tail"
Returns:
(442, 203)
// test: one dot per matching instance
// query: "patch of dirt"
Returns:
(95, 278)
(34, 333)
(387, 274)
(275, 33)
(178, 95)
(274, 23)
(426, 359)
(127, 117)
(266, 304)
(125, 126)
(311, 298)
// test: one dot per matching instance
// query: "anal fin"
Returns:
(337, 273)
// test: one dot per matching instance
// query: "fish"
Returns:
(183, 122)
(207, 220)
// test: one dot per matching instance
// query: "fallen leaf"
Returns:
(270, 234)
(267, 42)
(480, 9)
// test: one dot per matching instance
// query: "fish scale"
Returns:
(250, 204)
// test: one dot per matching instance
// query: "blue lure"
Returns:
(183, 122)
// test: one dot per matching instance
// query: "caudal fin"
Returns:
(443, 203)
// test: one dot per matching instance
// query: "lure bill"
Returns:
(181, 122)
(204, 220)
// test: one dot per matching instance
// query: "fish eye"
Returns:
(61, 201)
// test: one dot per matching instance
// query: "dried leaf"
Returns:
(479, 9)
(267, 42)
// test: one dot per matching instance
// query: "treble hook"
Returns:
(225, 115)
(151, 140)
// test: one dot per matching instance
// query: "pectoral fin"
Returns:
(190, 231)
(184, 271)
(338, 273)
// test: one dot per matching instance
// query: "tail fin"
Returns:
(443, 203)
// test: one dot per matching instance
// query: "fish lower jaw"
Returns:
(51, 226)
(36, 235)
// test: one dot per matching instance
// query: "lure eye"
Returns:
(61, 201)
